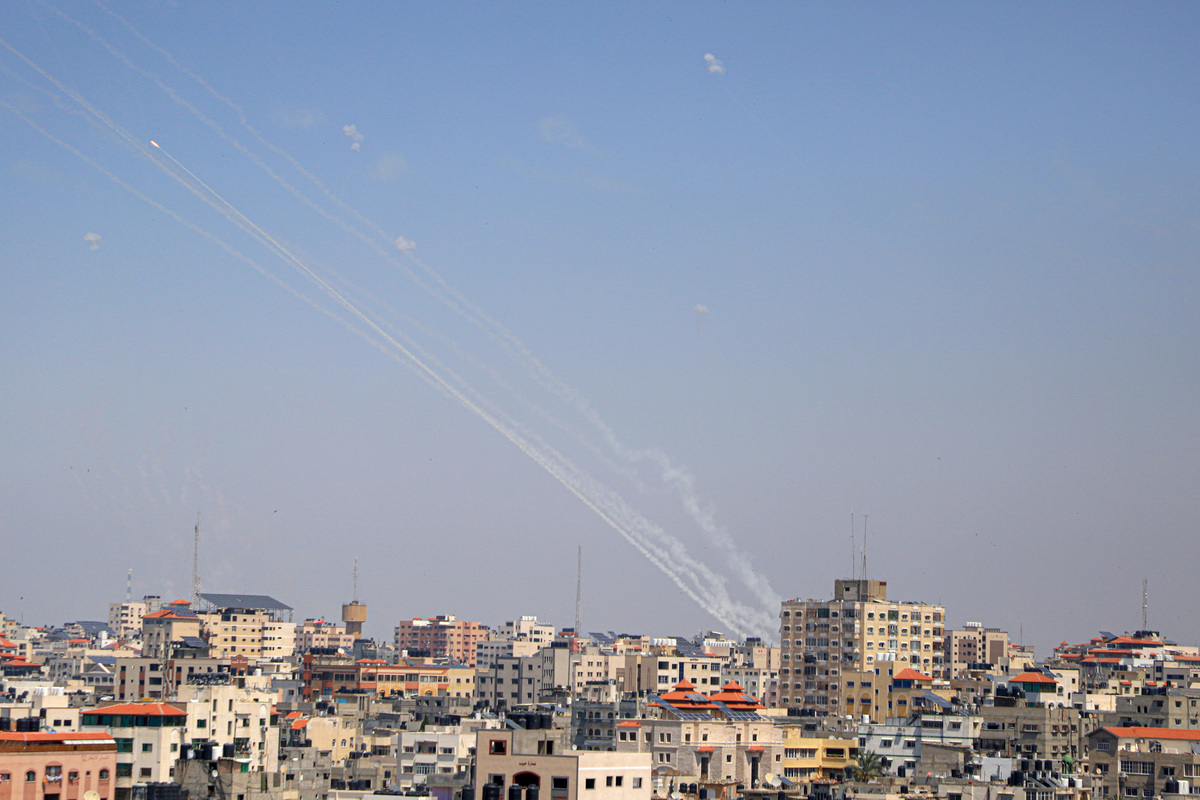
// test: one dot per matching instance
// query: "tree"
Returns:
(870, 766)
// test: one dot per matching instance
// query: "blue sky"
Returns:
(947, 256)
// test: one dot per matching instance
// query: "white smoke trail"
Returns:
(691, 577)
(679, 478)
(670, 556)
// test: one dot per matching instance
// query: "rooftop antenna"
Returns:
(196, 563)
(129, 586)
(1145, 604)
(578, 593)
(853, 549)
(863, 573)
(356, 581)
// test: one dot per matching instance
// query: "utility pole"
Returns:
(1145, 604)
(579, 595)
(196, 563)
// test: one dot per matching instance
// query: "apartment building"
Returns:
(57, 766)
(240, 714)
(1128, 762)
(125, 618)
(539, 758)
(319, 633)
(525, 680)
(1016, 728)
(322, 675)
(972, 647)
(175, 622)
(830, 646)
(807, 757)
(526, 629)
(254, 626)
(148, 737)
(440, 636)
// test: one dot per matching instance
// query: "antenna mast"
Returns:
(129, 586)
(1145, 604)
(356, 581)
(863, 573)
(195, 563)
(579, 594)
(853, 550)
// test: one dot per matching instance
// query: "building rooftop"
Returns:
(252, 602)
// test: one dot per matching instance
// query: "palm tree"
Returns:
(870, 766)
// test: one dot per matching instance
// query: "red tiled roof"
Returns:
(629, 724)
(704, 749)
(165, 613)
(139, 710)
(299, 724)
(78, 736)
(1138, 732)
(910, 674)
(1032, 677)
(293, 715)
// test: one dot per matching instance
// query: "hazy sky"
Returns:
(457, 288)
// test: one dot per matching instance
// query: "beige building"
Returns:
(257, 627)
(509, 757)
(974, 645)
(175, 622)
(808, 758)
(830, 647)
(148, 737)
(319, 633)
(126, 618)
(239, 715)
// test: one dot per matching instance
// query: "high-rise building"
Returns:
(443, 635)
(975, 645)
(838, 655)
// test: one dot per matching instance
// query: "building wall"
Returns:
(571, 776)
(826, 644)
(238, 715)
(64, 767)
(442, 636)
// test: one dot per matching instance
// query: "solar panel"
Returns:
(257, 602)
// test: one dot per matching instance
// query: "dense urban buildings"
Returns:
(232, 700)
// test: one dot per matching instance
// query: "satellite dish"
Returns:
(91, 794)
(769, 779)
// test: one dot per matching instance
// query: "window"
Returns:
(497, 747)
(5, 777)
(637, 783)
(147, 747)
(618, 780)
(103, 774)
(608, 780)
(124, 770)
(145, 772)
(589, 783)
(30, 776)
(1137, 767)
